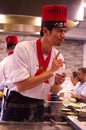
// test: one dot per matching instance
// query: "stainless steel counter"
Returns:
(32, 126)
(66, 121)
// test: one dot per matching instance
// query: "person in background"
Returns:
(75, 81)
(70, 82)
(69, 85)
(35, 65)
(6, 65)
(80, 89)
(74, 78)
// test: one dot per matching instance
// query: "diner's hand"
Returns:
(76, 96)
(56, 63)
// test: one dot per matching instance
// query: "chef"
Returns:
(6, 65)
(35, 68)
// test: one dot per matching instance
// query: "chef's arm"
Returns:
(34, 81)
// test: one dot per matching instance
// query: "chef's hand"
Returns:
(56, 64)
(59, 79)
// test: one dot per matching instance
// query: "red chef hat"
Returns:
(54, 16)
(11, 40)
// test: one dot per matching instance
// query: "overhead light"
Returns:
(2, 18)
(80, 13)
(38, 21)
(1, 30)
(85, 4)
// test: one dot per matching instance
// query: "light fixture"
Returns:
(2, 18)
(85, 5)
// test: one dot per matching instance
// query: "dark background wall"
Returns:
(33, 7)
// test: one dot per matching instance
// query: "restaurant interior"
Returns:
(23, 19)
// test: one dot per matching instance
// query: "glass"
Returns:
(66, 98)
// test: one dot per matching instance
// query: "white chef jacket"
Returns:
(5, 70)
(25, 64)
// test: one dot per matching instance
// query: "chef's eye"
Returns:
(61, 30)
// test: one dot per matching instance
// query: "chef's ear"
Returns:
(43, 31)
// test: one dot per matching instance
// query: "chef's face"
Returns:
(57, 36)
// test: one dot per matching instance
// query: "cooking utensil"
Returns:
(59, 127)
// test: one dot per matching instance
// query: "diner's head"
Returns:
(82, 74)
(74, 77)
(11, 42)
(54, 16)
